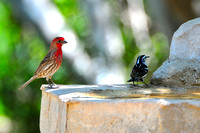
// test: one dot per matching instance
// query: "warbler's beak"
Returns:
(64, 42)
(147, 56)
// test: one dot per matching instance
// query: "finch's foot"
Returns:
(53, 86)
(50, 85)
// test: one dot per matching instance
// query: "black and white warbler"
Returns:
(139, 71)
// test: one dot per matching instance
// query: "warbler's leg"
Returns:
(132, 85)
(142, 80)
(145, 83)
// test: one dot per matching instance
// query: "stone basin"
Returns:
(119, 108)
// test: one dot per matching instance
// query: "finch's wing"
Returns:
(45, 63)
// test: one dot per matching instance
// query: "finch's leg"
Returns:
(52, 81)
(47, 79)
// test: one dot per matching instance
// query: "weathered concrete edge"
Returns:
(162, 101)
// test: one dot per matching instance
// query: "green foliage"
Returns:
(17, 53)
(161, 49)
(130, 46)
(75, 16)
(160, 43)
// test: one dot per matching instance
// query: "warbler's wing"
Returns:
(139, 70)
(143, 71)
(134, 71)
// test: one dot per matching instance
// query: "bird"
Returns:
(139, 70)
(50, 64)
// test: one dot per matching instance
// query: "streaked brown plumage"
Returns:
(50, 64)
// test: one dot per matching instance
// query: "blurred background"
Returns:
(104, 39)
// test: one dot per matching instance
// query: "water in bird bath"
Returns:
(124, 91)
(137, 92)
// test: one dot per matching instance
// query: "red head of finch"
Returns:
(51, 62)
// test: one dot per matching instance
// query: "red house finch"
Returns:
(50, 64)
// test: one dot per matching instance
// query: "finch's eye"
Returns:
(59, 41)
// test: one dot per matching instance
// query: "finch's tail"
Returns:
(130, 80)
(28, 82)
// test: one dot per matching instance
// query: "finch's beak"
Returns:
(64, 42)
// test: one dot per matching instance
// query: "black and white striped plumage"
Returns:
(139, 71)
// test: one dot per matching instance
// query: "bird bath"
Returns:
(120, 108)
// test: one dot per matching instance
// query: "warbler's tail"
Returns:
(28, 82)
(130, 80)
